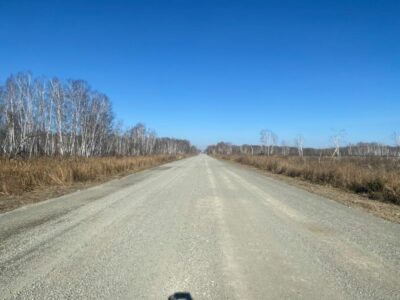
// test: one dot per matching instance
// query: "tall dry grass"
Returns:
(19, 176)
(376, 177)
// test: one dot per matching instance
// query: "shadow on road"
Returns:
(180, 296)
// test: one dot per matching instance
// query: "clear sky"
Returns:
(221, 70)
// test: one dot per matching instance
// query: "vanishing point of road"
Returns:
(212, 228)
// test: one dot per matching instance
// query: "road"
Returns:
(215, 229)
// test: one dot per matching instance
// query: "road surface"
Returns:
(208, 227)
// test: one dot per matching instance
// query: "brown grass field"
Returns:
(375, 177)
(17, 177)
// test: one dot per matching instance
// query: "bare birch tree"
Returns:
(299, 142)
(285, 148)
(337, 140)
(57, 97)
(268, 140)
(396, 138)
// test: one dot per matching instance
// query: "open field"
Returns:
(375, 177)
(29, 180)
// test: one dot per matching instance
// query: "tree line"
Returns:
(40, 116)
(269, 146)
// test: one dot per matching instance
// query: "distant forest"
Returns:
(49, 117)
(269, 146)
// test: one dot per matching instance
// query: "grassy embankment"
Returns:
(375, 177)
(25, 181)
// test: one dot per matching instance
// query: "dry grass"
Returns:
(20, 176)
(377, 178)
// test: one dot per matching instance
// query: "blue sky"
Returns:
(221, 70)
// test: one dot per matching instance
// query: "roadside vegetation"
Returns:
(25, 175)
(368, 169)
(56, 133)
(377, 178)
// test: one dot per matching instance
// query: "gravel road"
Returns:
(208, 227)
